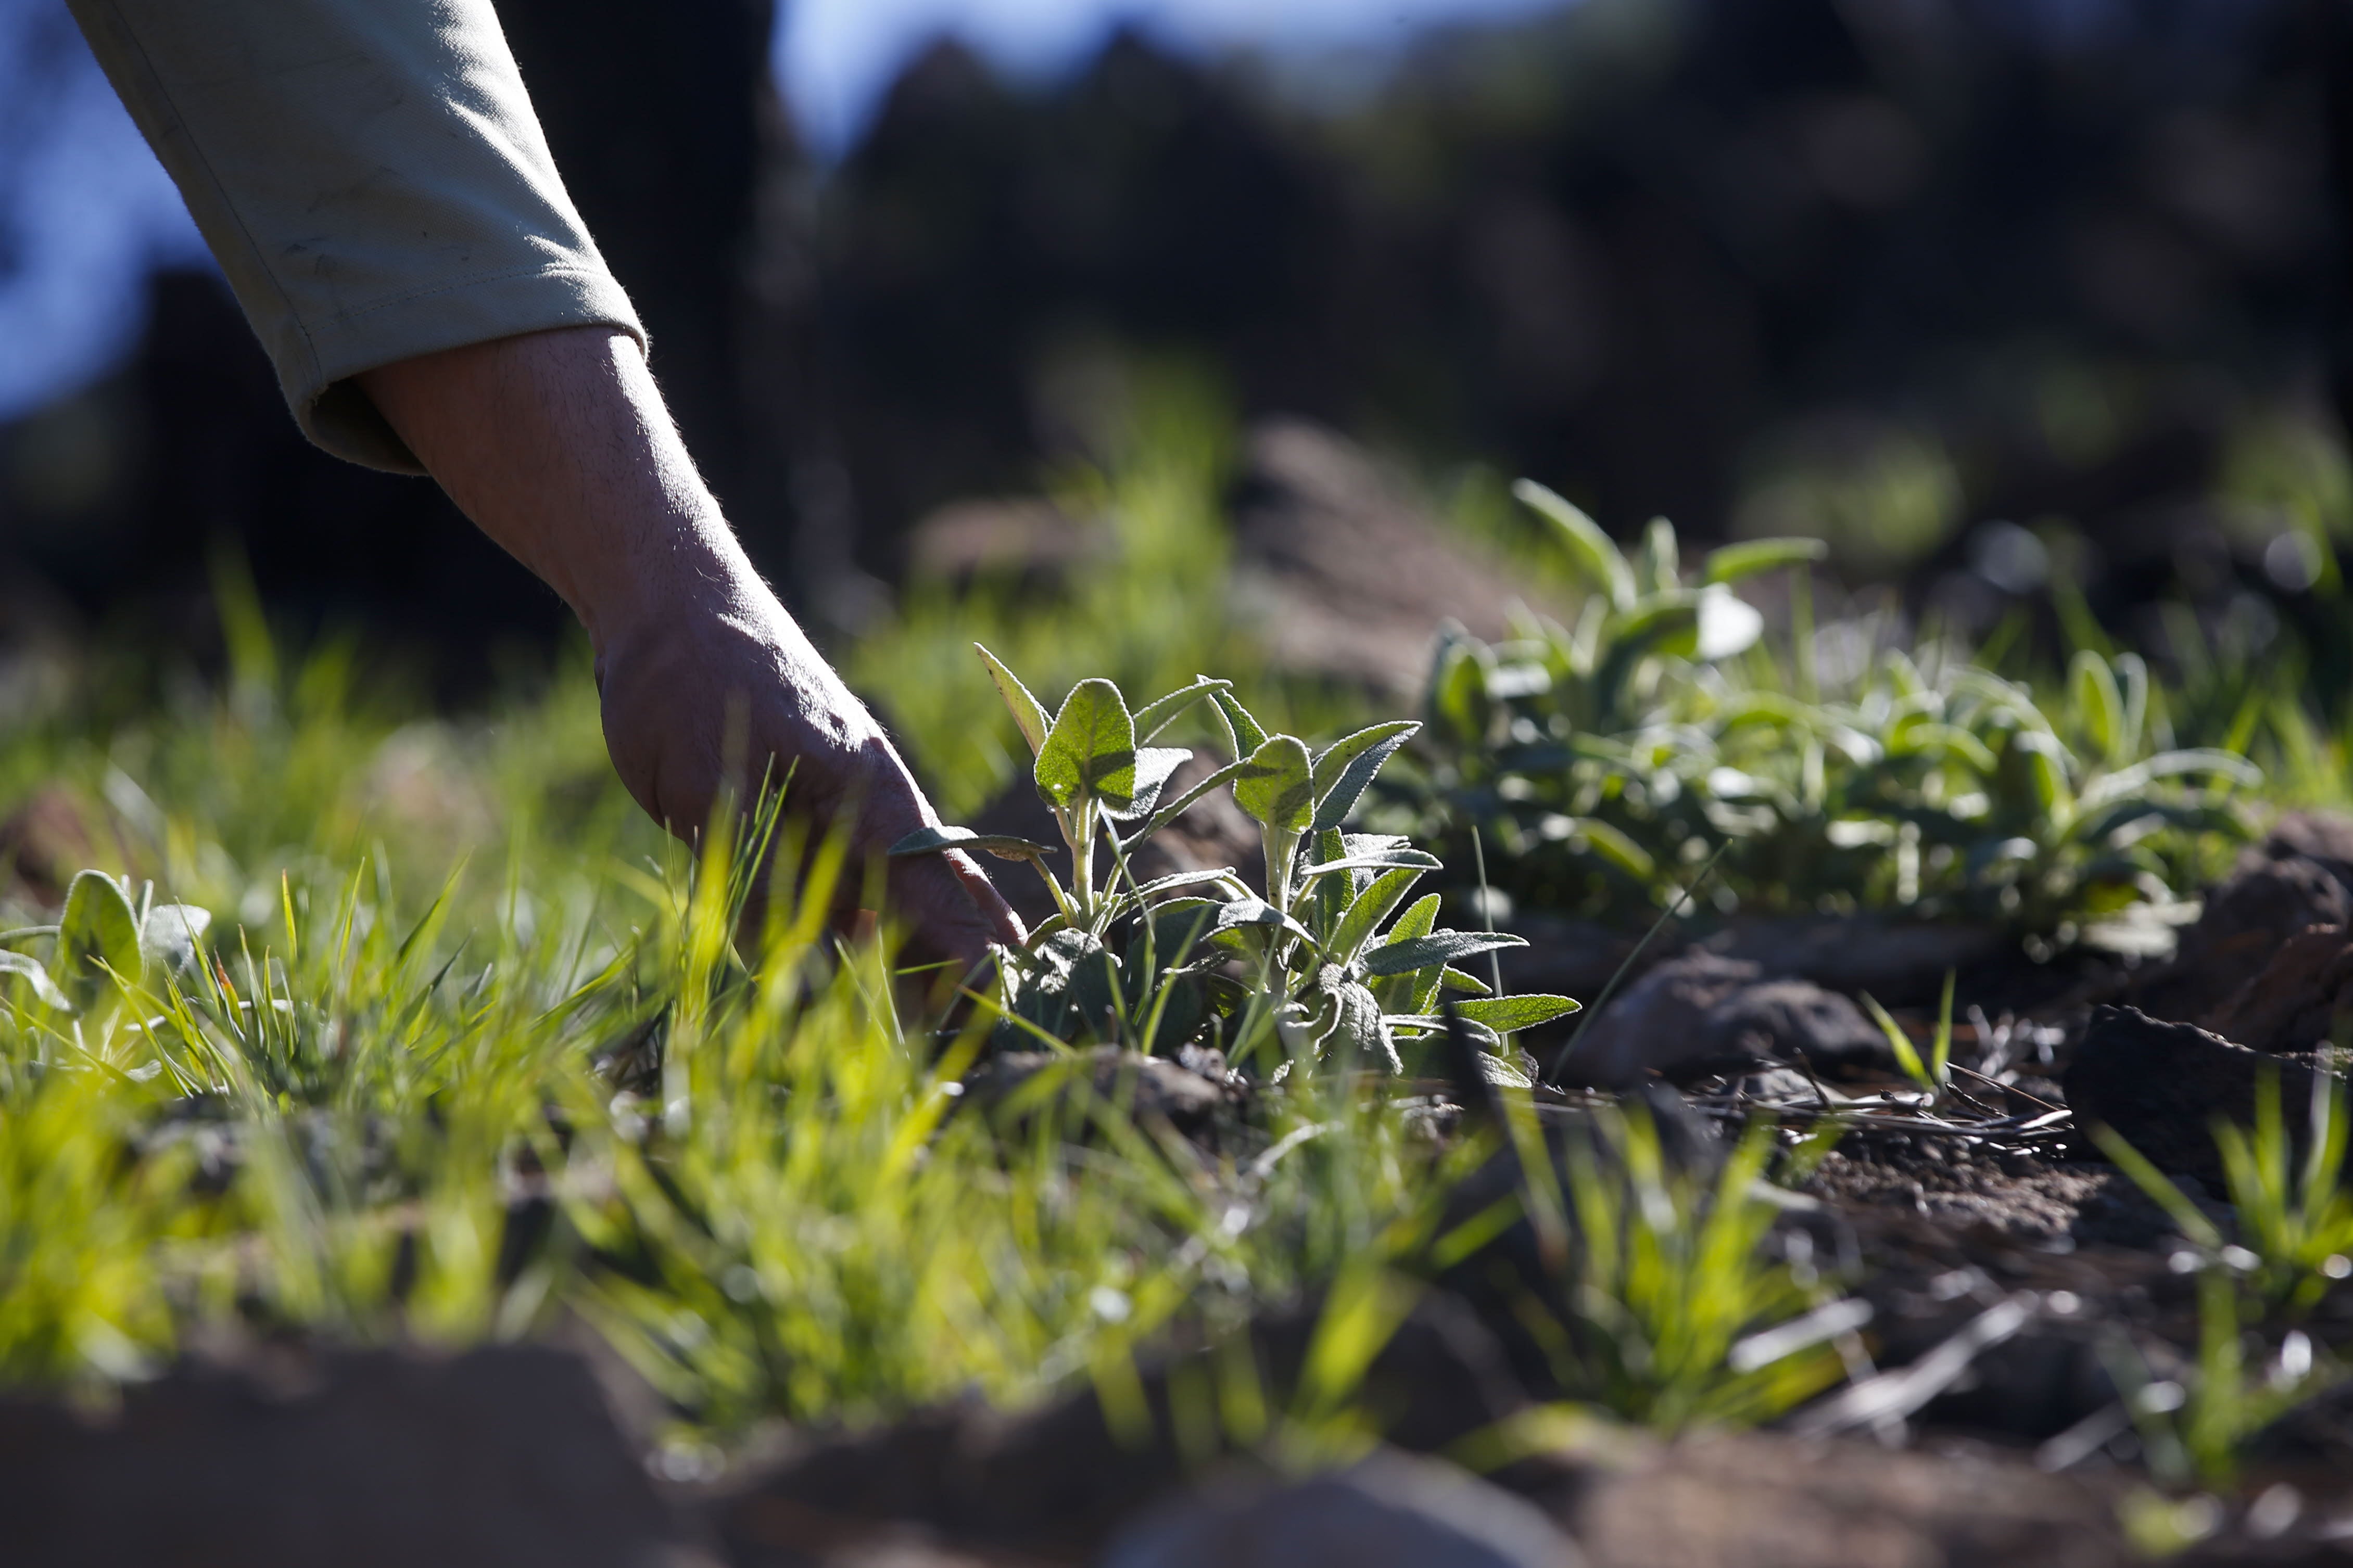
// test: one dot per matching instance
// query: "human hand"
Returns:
(724, 664)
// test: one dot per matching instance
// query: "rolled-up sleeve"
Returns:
(372, 178)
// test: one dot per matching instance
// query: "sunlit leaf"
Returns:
(98, 927)
(1280, 791)
(1733, 562)
(1595, 556)
(1344, 768)
(1090, 750)
(932, 840)
(1029, 713)
(1506, 1014)
(1438, 947)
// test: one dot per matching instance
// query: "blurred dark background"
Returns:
(1985, 291)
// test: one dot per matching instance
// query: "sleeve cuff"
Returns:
(333, 410)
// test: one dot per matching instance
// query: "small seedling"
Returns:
(2294, 1229)
(2196, 1436)
(1672, 1307)
(1934, 1075)
(1332, 962)
(104, 941)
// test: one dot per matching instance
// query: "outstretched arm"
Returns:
(558, 446)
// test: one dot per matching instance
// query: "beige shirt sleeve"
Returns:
(372, 178)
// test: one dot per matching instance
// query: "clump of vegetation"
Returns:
(1608, 761)
(1676, 1308)
(375, 1114)
(2294, 1213)
(2197, 1418)
(1318, 969)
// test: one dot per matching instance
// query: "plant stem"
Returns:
(1082, 860)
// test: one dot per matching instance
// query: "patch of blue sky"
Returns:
(89, 214)
(836, 59)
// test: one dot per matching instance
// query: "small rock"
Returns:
(1340, 571)
(1702, 1013)
(1010, 536)
(504, 1456)
(2161, 1085)
(1896, 961)
(1155, 1087)
(2299, 1000)
(2299, 877)
(1056, 1482)
(2325, 836)
(1390, 1508)
(1790, 1019)
(1758, 1500)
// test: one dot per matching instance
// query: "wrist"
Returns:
(651, 573)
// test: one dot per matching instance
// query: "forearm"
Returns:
(559, 448)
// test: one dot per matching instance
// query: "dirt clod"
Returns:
(1702, 1013)
(1387, 1511)
(2300, 999)
(2161, 1086)
(2300, 876)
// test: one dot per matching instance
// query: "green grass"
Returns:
(534, 1077)
(472, 1048)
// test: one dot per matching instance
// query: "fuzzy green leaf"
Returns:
(1258, 912)
(1612, 845)
(1175, 881)
(1068, 987)
(1506, 1014)
(169, 940)
(1438, 947)
(1418, 919)
(1658, 565)
(1245, 733)
(1371, 907)
(1735, 562)
(25, 969)
(1381, 860)
(1453, 979)
(1347, 765)
(1590, 550)
(99, 927)
(1410, 992)
(1090, 750)
(1280, 791)
(2126, 782)
(1154, 766)
(2099, 702)
(1458, 697)
(1435, 1024)
(1027, 711)
(932, 840)
(1161, 712)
